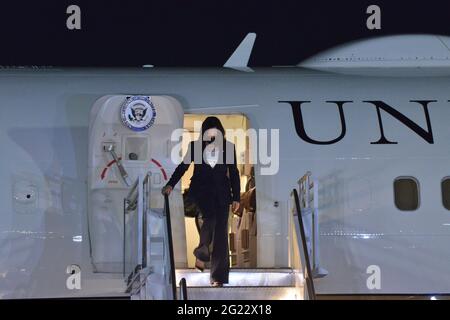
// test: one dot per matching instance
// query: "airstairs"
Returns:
(244, 284)
(149, 269)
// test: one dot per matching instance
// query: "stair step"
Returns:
(244, 293)
(243, 277)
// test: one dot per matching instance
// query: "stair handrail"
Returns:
(172, 277)
(309, 204)
(307, 274)
(138, 199)
(132, 203)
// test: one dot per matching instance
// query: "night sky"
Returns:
(198, 32)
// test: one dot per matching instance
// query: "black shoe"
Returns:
(202, 255)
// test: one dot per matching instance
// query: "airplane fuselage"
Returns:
(356, 134)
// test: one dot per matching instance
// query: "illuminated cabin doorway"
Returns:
(242, 228)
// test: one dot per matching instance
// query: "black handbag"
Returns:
(191, 210)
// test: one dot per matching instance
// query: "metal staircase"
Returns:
(148, 265)
(244, 284)
(295, 283)
(149, 268)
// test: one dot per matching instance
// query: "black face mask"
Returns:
(212, 139)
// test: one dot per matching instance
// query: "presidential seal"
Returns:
(138, 113)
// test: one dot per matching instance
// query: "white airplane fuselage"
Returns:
(44, 120)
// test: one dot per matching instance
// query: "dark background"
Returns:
(198, 32)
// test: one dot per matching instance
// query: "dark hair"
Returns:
(212, 122)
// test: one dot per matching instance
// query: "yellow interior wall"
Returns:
(234, 121)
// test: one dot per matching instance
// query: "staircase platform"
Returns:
(242, 277)
(244, 284)
(244, 293)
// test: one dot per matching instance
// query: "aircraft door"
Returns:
(129, 136)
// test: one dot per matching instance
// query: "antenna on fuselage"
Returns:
(239, 59)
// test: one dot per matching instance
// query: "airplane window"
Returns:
(445, 188)
(406, 193)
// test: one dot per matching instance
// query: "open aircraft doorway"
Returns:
(242, 226)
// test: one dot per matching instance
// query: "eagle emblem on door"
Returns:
(138, 113)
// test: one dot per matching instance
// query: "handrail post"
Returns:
(183, 289)
(124, 236)
(146, 206)
(307, 192)
(315, 226)
(140, 203)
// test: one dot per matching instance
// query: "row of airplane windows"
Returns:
(406, 193)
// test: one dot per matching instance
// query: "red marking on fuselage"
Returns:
(161, 168)
(103, 174)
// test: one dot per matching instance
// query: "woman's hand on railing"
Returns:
(166, 190)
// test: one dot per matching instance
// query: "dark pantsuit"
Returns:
(213, 189)
(214, 235)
